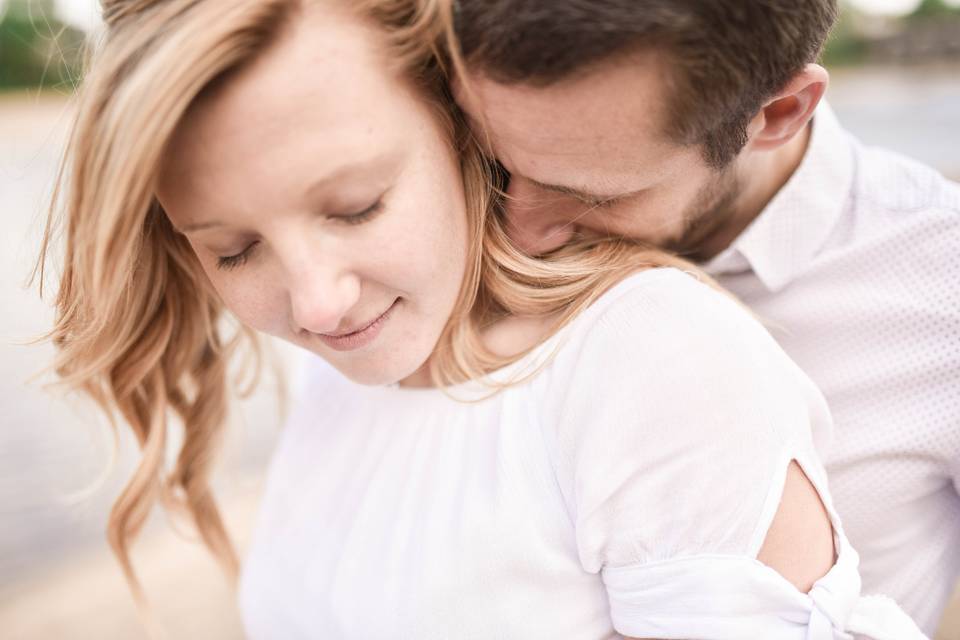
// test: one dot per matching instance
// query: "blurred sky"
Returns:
(83, 13)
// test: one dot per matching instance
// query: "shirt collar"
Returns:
(795, 224)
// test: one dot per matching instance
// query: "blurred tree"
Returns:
(845, 45)
(36, 49)
(932, 8)
(930, 33)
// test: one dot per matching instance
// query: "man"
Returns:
(699, 126)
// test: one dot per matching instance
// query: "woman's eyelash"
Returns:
(232, 262)
(362, 216)
(237, 260)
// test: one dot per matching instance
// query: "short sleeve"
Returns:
(675, 416)
(673, 419)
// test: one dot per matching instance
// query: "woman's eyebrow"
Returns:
(364, 167)
(325, 182)
(199, 226)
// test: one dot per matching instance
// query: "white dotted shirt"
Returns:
(855, 269)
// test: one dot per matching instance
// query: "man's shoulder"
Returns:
(901, 226)
(895, 183)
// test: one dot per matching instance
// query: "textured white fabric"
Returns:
(707, 600)
(644, 442)
(855, 269)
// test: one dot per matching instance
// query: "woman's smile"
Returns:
(359, 337)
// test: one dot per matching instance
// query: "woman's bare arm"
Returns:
(799, 544)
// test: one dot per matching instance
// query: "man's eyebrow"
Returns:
(579, 194)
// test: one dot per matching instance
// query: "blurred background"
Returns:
(895, 67)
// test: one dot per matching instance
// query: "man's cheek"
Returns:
(653, 220)
(549, 216)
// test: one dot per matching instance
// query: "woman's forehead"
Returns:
(323, 64)
(321, 96)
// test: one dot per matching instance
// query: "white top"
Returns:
(625, 484)
(855, 268)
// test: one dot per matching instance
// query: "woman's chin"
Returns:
(378, 373)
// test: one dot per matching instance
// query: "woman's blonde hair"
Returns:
(138, 326)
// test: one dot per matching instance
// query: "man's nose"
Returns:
(321, 296)
(538, 220)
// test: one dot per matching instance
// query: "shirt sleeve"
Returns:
(675, 417)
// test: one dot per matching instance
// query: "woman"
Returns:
(576, 447)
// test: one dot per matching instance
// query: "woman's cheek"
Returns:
(258, 306)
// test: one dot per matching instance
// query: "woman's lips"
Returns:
(361, 337)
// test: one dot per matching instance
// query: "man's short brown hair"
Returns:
(730, 55)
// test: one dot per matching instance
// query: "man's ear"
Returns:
(787, 113)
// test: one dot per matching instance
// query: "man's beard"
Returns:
(706, 219)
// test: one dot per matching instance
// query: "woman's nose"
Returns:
(321, 297)
(538, 221)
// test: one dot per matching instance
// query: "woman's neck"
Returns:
(505, 338)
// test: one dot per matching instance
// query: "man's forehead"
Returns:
(593, 155)
(609, 120)
(606, 101)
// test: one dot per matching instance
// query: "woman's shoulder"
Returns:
(668, 304)
(663, 345)
(668, 414)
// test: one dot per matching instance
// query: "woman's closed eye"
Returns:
(239, 259)
(361, 216)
